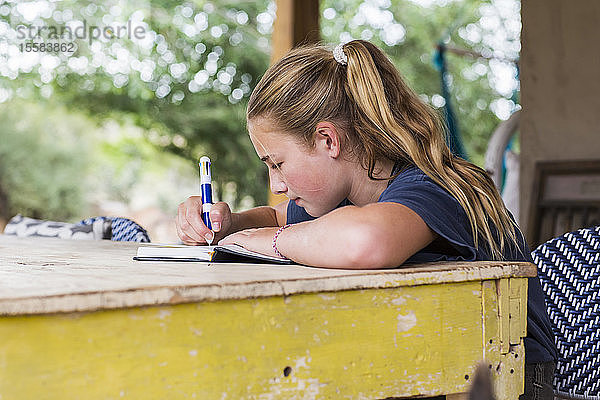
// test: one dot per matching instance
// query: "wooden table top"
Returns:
(47, 275)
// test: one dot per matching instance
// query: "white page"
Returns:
(204, 253)
(176, 250)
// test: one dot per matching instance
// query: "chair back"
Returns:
(566, 197)
(569, 271)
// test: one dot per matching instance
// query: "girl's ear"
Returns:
(327, 138)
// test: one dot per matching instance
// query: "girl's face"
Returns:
(312, 178)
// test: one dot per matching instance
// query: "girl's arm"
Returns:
(379, 235)
(259, 217)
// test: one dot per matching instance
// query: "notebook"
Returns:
(225, 253)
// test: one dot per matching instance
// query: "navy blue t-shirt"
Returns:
(446, 217)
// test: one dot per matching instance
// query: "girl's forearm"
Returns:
(340, 239)
(379, 235)
(257, 217)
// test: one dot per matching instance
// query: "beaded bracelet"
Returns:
(275, 240)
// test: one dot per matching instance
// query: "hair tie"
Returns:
(339, 55)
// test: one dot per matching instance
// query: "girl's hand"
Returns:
(256, 239)
(190, 227)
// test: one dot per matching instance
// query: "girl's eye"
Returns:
(276, 166)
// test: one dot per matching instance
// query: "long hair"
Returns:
(383, 119)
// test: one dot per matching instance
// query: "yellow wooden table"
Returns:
(82, 320)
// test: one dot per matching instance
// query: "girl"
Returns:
(370, 180)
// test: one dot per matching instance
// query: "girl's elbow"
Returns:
(368, 249)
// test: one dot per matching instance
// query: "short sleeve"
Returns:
(296, 214)
(439, 210)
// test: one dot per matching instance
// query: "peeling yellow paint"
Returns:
(406, 322)
(398, 301)
(374, 343)
(327, 296)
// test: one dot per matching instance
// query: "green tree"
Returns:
(186, 79)
(43, 161)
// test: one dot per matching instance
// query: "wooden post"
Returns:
(296, 22)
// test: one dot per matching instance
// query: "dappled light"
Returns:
(174, 78)
(125, 42)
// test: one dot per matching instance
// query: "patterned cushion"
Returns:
(569, 270)
(29, 227)
(123, 229)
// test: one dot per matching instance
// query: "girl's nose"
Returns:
(278, 186)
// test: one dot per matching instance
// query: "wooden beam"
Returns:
(296, 22)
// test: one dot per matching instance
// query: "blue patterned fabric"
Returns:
(123, 229)
(569, 270)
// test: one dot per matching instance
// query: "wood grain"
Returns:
(44, 275)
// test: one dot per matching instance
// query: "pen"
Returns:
(206, 188)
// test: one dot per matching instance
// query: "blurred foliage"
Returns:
(43, 161)
(178, 86)
(186, 82)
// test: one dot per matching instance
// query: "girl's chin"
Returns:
(312, 212)
(306, 207)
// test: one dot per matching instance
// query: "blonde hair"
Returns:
(383, 119)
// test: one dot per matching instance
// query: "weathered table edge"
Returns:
(423, 274)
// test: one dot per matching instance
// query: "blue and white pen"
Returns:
(206, 188)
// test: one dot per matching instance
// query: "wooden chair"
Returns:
(566, 197)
